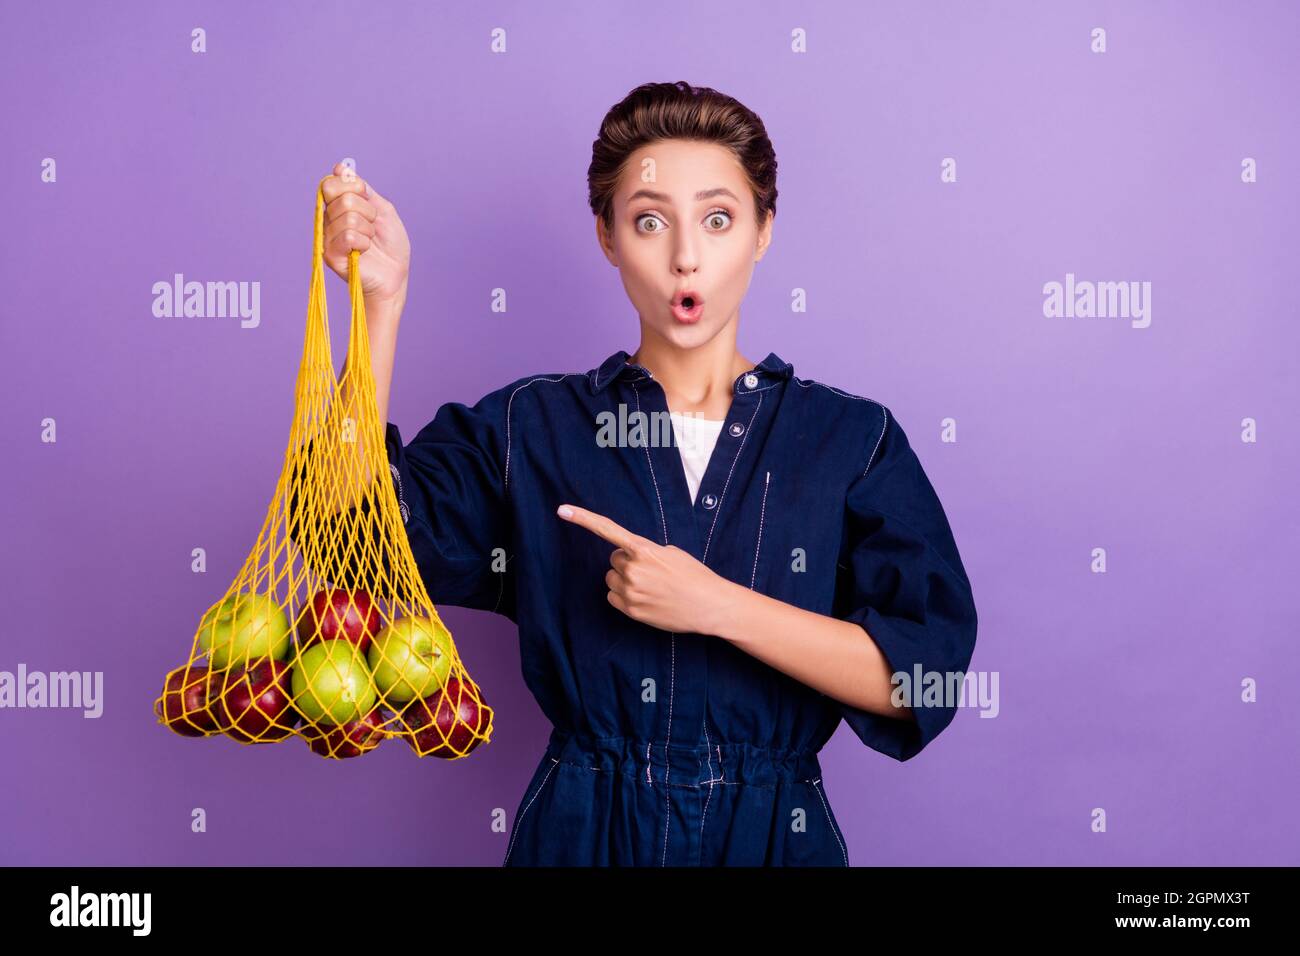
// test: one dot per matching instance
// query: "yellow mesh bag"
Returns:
(328, 632)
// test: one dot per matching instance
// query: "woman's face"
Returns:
(684, 221)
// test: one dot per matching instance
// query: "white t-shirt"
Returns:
(695, 438)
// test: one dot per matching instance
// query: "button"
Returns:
(751, 380)
(736, 429)
(709, 501)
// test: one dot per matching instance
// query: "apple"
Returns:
(447, 724)
(243, 628)
(411, 658)
(331, 683)
(351, 739)
(183, 706)
(255, 704)
(336, 613)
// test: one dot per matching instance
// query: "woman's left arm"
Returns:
(835, 657)
(668, 588)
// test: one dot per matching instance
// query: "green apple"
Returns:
(243, 628)
(411, 658)
(331, 683)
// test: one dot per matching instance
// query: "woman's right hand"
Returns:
(358, 217)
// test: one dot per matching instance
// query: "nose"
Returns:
(685, 260)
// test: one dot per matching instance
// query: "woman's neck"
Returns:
(697, 381)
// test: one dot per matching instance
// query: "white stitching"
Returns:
(505, 482)
(506, 476)
(662, 519)
(878, 441)
(720, 780)
(739, 451)
(510, 849)
(829, 822)
(672, 683)
(672, 679)
(540, 378)
(704, 815)
(758, 545)
(831, 388)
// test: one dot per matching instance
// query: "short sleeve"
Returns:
(902, 580)
(450, 491)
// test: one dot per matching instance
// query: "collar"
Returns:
(770, 369)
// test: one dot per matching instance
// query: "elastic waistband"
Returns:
(685, 765)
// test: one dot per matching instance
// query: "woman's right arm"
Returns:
(358, 217)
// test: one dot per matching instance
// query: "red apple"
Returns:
(351, 739)
(256, 700)
(185, 709)
(447, 723)
(339, 614)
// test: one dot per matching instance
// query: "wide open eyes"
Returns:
(713, 217)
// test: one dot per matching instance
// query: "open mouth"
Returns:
(688, 309)
(686, 306)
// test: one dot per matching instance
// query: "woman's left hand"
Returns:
(660, 585)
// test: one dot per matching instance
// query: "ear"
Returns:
(606, 241)
(764, 236)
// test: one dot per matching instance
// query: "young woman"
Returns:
(695, 617)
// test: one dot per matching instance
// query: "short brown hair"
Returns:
(655, 111)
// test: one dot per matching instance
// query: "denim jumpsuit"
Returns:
(678, 749)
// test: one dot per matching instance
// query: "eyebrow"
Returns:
(699, 196)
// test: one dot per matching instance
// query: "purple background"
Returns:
(1118, 690)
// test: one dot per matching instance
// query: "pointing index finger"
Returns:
(608, 529)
